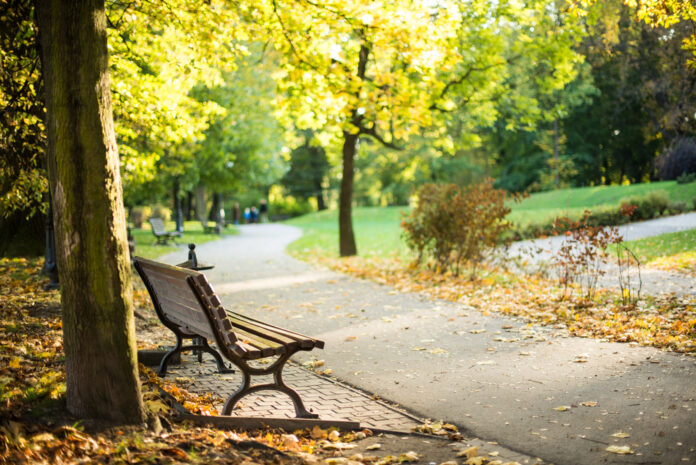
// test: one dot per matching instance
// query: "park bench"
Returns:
(187, 305)
(160, 231)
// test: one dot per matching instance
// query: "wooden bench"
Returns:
(161, 233)
(187, 305)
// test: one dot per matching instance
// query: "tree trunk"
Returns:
(200, 204)
(321, 203)
(90, 224)
(346, 238)
(178, 214)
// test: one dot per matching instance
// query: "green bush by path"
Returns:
(145, 242)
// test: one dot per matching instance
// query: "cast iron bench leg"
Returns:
(278, 385)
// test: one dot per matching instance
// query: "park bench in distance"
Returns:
(188, 306)
(161, 233)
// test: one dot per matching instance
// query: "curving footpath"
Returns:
(529, 389)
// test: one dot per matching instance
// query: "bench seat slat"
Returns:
(261, 330)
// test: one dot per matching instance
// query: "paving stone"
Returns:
(326, 397)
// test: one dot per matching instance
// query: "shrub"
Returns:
(456, 226)
(650, 205)
(138, 215)
(160, 211)
(686, 178)
(581, 257)
(679, 159)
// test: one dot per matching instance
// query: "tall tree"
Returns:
(83, 166)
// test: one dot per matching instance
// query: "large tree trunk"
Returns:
(92, 249)
(346, 238)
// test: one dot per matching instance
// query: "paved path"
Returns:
(498, 378)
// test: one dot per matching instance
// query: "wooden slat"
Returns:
(304, 341)
(241, 324)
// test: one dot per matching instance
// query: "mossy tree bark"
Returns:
(83, 167)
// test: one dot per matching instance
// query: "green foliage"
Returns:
(23, 183)
(456, 226)
(309, 167)
(686, 178)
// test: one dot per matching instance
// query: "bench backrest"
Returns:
(183, 298)
(157, 225)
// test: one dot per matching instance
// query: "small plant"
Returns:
(457, 226)
(630, 281)
(581, 258)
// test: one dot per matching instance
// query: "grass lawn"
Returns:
(544, 206)
(145, 242)
(378, 231)
(651, 248)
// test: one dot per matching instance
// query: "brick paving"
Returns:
(327, 397)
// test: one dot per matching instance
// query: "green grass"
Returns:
(145, 242)
(378, 231)
(664, 245)
(545, 206)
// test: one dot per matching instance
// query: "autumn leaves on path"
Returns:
(536, 389)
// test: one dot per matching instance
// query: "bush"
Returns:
(649, 206)
(289, 206)
(456, 226)
(686, 178)
(138, 215)
(679, 159)
(160, 211)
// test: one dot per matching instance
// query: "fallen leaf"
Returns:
(589, 403)
(621, 435)
(469, 453)
(562, 408)
(374, 446)
(621, 450)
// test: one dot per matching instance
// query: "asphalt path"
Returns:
(531, 389)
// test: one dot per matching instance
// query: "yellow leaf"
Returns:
(621, 450)
(562, 408)
(589, 403)
(621, 434)
(469, 453)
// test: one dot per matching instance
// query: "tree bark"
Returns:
(346, 238)
(90, 224)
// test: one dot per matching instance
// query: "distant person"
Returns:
(247, 215)
(254, 215)
(235, 213)
(263, 211)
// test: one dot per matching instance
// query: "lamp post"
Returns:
(178, 214)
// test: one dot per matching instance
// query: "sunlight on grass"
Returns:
(378, 230)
